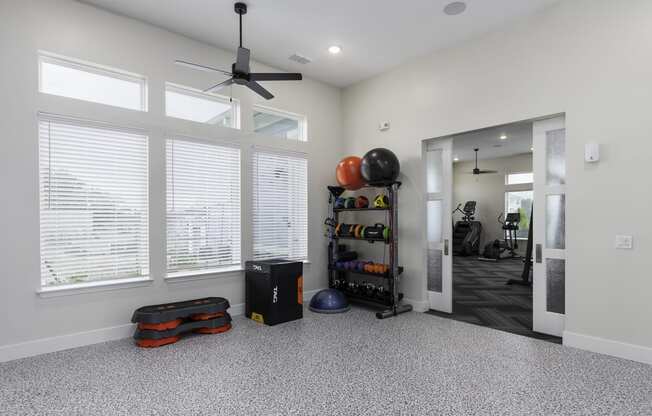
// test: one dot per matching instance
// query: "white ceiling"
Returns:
(519, 140)
(375, 35)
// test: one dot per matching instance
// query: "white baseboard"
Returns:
(418, 305)
(80, 339)
(64, 342)
(608, 347)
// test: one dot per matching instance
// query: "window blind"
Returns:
(203, 206)
(280, 205)
(93, 202)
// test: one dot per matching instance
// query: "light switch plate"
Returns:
(624, 242)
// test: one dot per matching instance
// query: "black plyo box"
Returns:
(274, 291)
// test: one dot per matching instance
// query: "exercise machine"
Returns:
(467, 231)
(527, 260)
(495, 250)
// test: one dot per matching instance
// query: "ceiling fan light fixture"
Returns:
(334, 49)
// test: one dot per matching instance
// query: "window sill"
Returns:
(189, 276)
(92, 287)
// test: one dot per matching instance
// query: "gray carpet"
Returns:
(348, 364)
(482, 297)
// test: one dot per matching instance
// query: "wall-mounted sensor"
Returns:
(591, 152)
(384, 125)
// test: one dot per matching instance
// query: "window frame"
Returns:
(252, 189)
(520, 187)
(508, 174)
(109, 283)
(199, 274)
(97, 69)
(302, 120)
(194, 92)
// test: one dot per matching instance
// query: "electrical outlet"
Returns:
(624, 242)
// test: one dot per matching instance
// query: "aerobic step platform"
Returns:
(164, 324)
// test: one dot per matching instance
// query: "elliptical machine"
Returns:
(495, 250)
(466, 233)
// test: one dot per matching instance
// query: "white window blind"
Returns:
(93, 202)
(280, 205)
(203, 206)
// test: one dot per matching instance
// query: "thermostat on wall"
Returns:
(591, 152)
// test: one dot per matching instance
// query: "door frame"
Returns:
(448, 301)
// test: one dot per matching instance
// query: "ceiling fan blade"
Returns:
(488, 171)
(258, 89)
(242, 62)
(219, 86)
(260, 76)
(200, 67)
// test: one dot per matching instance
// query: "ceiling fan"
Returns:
(240, 73)
(477, 171)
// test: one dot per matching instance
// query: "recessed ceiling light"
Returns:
(455, 8)
(503, 137)
(334, 49)
(532, 149)
(456, 159)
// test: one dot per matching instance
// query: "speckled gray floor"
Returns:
(350, 364)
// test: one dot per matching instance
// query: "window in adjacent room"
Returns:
(519, 178)
(203, 207)
(280, 205)
(520, 201)
(74, 79)
(93, 202)
(189, 104)
(281, 124)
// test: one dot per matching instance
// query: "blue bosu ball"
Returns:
(329, 301)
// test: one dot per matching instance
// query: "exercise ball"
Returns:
(329, 301)
(380, 167)
(348, 173)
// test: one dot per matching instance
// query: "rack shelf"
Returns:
(392, 301)
(360, 209)
(371, 240)
(367, 300)
(383, 275)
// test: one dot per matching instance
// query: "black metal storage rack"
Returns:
(392, 277)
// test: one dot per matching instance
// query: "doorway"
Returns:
(494, 256)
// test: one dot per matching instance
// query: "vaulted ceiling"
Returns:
(375, 35)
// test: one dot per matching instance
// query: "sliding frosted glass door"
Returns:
(549, 284)
(438, 167)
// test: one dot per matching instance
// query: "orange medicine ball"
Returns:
(348, 173)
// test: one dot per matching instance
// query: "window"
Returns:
(280, 205)
(279, 124)
(93, 202)
(189, 104)
(520, 202)
(203, 206)
(67, 78)
(519, 178)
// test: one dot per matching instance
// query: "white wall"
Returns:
(591, 59)
(488, 191)
(80, 31)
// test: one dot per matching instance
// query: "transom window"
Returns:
(190, 104)
(90, 82)
(277, 123)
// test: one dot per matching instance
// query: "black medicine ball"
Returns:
(380, 167)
